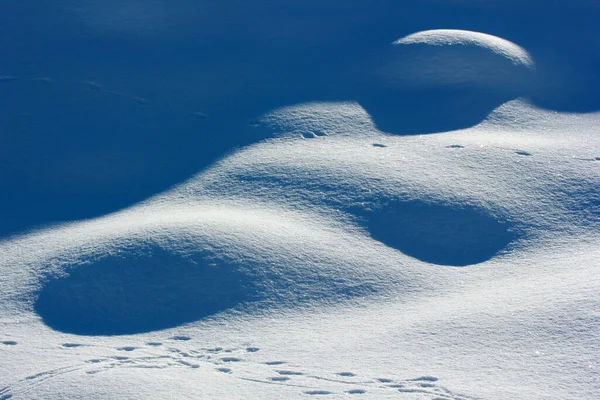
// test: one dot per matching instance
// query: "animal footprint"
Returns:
(279, 378)
(126, 348)
(523, 153)
(230, 359)
(285, 372)
(181, 338)
(356, 391)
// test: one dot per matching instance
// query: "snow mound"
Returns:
(444, 234)
(147, 271)
(458, 58)
(329, 118)
(141, 290)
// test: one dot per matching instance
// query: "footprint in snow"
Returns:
(231, 359)
(318, 392)
(286, 372)
(274, 362)
(126, 348)
(279, 379)
(181, 338)
(356, 391)
(523, 153)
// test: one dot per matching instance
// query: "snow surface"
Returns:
(436, 242)
(446, 57)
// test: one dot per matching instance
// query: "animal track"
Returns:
(523, 153)
(313, 134)
(279, 378)
(127, 348)
(425, 378)
(181, 338)
(310, 382)
(356, 391)
(318, 392)
(230, 359)
(285, 372)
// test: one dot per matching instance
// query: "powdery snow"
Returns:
(458, 58)
(335, 258)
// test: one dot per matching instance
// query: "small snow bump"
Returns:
(200, 115)
(140, 100)
(94, 86)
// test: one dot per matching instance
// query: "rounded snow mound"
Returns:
(142, 289)
(184, 265)
(457, 59)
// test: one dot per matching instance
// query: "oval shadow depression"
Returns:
(143, 292)
(439, 233)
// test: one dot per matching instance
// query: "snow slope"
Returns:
(437, 241)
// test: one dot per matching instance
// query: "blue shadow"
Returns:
(141, 293)
(441, 234)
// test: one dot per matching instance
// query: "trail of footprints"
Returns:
(243, 363)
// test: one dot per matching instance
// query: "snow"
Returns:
(446, 57)
(431, 232)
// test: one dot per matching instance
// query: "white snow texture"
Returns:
(331, 258)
